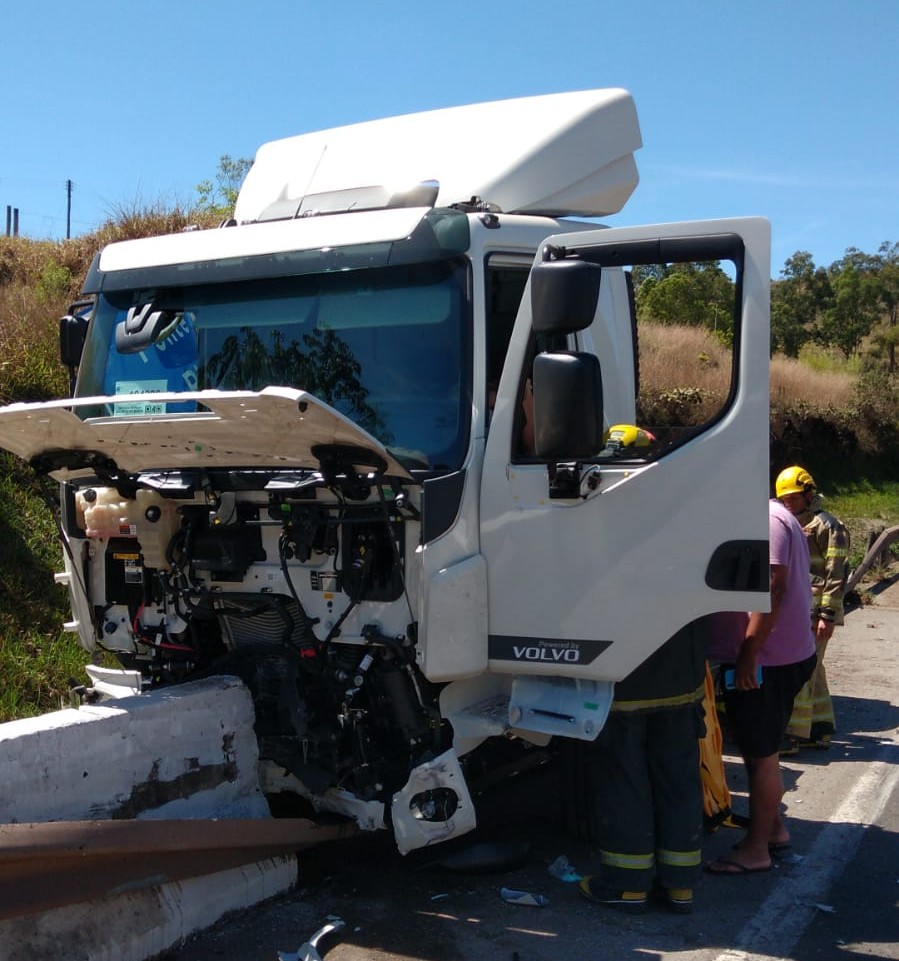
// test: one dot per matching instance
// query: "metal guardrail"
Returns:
(56, 863)
(875, 550)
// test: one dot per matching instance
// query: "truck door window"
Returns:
(505, 285)
(505, 281)
(682, 320)
(685, 321)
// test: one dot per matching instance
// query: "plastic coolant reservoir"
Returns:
(106, 513)
(152, 519)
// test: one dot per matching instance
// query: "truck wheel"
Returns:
(577, 780)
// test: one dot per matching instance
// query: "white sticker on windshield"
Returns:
(134, 405)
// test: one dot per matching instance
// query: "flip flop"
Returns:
(735, 821)
(729, 866)
(775, 847)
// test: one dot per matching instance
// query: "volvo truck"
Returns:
(354, 447)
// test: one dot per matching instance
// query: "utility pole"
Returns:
(12, 221)
(68, 209)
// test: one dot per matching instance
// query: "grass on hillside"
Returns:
(865, 508)
(29, 345)
(37, 659)
(665, 352)
(828, 359)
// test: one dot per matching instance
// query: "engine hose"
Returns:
(306, 621)
(395, 551)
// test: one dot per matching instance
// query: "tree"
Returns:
(219, 197)
(695, 294)
(856, 303)
(796, 303)
(852, 305)
(885, 339)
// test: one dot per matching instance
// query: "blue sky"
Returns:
(782, 109)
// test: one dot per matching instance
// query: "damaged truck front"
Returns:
(299, 450)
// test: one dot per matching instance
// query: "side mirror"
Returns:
(142, 327)
(568, 408)
(564, 295)
(72, 335)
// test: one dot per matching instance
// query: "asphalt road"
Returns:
(832, 896)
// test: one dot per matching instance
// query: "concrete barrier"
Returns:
(183, 752)
(144, 924)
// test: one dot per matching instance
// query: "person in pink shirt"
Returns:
(771, 655)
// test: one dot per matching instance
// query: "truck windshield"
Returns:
(387, 347)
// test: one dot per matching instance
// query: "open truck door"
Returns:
(596, 556)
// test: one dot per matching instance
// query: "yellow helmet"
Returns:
(619, 436)
(794, 480)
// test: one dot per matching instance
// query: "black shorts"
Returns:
(758, 719)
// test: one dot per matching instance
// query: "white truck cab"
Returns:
(301, 449)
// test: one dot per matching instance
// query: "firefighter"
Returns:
(645, 770)
(645, 775)
(812, 722)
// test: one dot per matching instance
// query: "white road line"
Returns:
(780, 922)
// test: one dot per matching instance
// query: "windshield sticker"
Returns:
(134, 405)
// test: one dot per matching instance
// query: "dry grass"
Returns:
(129, 222)
(673, 356)
(29, 351)
(690, 358)
(793, 381)
(24, 261)
(40, 279)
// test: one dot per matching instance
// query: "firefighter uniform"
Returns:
(646, 777)
(828, 544)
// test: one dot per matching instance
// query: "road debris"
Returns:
(524, 897)
(562, 869)
(308, 950)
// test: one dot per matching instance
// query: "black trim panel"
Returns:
(664, 250)
(538, 650)
(739, 566)
(441, 498)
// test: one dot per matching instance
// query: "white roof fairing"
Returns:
(567, 154)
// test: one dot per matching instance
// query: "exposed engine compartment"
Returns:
(291, 582)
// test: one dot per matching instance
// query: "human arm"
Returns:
(833, 544)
